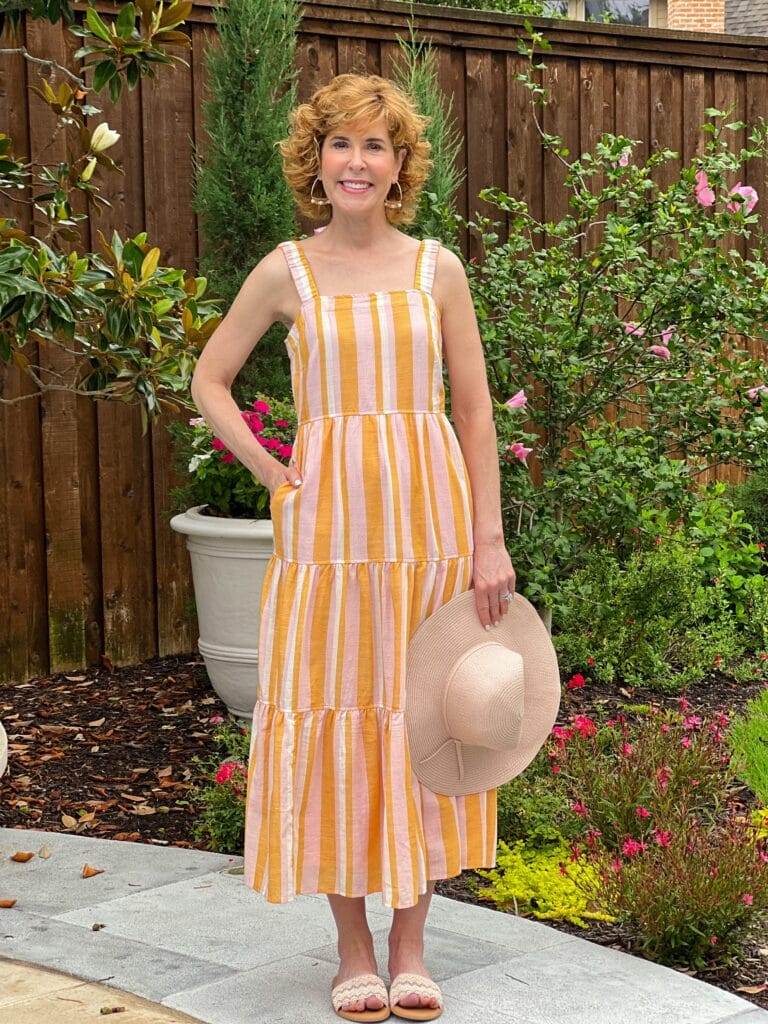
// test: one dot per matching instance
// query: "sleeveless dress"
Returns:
(376, 537)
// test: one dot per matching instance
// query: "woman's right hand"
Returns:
(283, 474)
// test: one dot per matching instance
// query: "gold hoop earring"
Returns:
(395, 203)
(314, 199)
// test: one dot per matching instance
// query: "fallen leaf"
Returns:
(98, 721)
(44, 852)
(68, 821)
(7, 903)
(751, 990)
(89, 872)
(22, 856)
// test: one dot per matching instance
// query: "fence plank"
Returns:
(167, 118)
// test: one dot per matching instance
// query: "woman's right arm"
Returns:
(261, 301)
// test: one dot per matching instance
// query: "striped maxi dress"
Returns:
(376, 537)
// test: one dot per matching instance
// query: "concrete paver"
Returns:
(179, 931)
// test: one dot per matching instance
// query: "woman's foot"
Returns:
(408, 958)
(356, 959)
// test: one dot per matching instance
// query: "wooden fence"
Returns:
(89, 567)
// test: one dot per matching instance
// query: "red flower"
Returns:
(575, 682)
(584, 725)
(632, 847)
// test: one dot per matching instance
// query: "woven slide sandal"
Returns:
(360, 987)
(405, 983)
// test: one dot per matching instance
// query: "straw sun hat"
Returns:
(479, 703)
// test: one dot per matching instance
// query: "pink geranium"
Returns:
(660, 350)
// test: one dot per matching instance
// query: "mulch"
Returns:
(108, 752)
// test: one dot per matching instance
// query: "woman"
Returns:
(380, 517)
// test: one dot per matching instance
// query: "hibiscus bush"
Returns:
(613, 344)
(216, 479)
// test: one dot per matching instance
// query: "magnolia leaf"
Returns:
(149, 264)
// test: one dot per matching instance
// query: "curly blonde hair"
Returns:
(360, 100)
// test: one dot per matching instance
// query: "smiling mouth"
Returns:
(355, 188)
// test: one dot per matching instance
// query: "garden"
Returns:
(625, 348)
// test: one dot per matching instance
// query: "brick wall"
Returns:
(696, 15)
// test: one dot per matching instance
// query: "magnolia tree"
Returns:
(130, 329)
(610, 343)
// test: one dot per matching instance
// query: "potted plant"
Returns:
(230, 540)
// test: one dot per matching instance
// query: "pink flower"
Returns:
(662, 836)
(683, 704)
(713, 940)
(632, 328)
(747, 193)
(561, 734)
(631, 847)
(616, 864)
(704, 194)
(259, 406)
(624, 156)
(215, 719)
(224, 774)
(753, 393)
(747, 899)
(667, 333)
(584, 726)
(685, 742)
(663, 775)
(519, 450)
(579, 808)
(218, 445)
(642, 812)
(516, 401)
(626, 749)
(229, 457)
(282, 423)
(575, 682)
(659, 350)
(691, 722)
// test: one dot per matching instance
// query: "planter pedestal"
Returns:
(229, 558)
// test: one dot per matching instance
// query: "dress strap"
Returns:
(300, 270)
(426, 263)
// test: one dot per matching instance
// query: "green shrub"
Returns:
(748, 740)
(222, 791)
(651, 621)
(533, 807)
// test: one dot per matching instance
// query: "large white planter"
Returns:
(229, 558)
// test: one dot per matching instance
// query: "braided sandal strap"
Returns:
(417, 983)
(362, 986)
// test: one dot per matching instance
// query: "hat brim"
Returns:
(451, 768)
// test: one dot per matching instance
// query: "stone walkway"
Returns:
(174, 934)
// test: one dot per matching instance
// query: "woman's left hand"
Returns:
(492, 576)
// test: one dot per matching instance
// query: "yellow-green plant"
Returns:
(543, 883)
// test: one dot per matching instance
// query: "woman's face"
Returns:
(359, 165)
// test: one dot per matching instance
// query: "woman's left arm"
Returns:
(472, 413)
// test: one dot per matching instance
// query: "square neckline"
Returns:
(312, 280)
